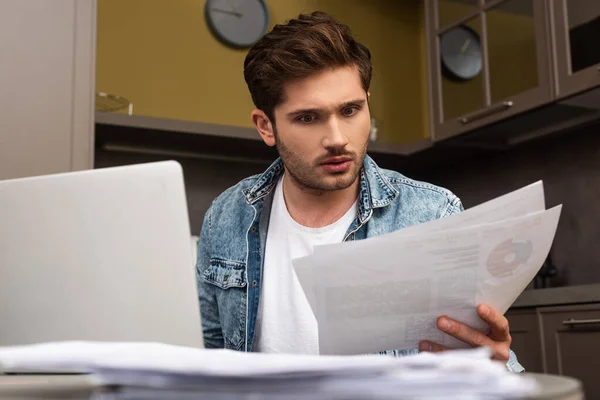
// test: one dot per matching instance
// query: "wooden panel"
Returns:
(525, 332)
(571, 336)
(575, 24)
(47, 89)
(84, 84)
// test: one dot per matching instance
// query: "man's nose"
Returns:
(334, 137)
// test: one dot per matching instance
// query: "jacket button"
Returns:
(253, 229)
(254, 283)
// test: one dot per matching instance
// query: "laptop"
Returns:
(98, 255)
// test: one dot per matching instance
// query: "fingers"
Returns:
(498, 340)
(428, 346)
(464, 333)
(499, 329)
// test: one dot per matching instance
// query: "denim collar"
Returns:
(375, 188)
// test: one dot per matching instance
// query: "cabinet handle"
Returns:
(505, 105)
(579, 322)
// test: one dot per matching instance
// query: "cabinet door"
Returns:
(488, 60)
(576, 31)
(47, 58)
(525, 332)
(571, 344)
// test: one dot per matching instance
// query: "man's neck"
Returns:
(315, 209)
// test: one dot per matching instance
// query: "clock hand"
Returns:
(465, 46)
(234, 8)
(237, 14)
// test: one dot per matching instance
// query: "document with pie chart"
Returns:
(386, 292)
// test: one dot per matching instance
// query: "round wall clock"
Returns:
(237, 23)
(460, 53)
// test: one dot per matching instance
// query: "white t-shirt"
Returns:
(285, 322)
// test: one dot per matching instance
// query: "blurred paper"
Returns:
(149, 371)
(386, 293)
(146, 356)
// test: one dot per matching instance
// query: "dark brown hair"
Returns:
(297, 49)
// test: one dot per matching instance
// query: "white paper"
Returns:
(153, 370)
(523, 201)
(387, 294)
(520, 202)
(143, 356)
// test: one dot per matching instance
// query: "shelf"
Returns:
(174, 125)
(219, 138)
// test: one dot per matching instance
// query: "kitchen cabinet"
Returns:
(47, 82)
(560, 340)
(488, 61)
(571, 335)
(525, 333)
(576, 28)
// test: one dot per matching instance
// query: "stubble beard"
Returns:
(307, 177)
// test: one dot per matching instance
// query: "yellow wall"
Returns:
(512, 54)
(161, 56)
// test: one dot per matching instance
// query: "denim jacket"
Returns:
(232, 243)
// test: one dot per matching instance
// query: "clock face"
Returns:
(460, 53)
(237, 23)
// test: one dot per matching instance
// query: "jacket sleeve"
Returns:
(512, 364)
(209, 310)
(454, 206)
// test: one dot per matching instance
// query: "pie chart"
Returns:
(508, 256)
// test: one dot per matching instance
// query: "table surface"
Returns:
(557, 387)
(553, 387)
(46, 386)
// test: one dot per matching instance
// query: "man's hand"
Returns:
(498, 339)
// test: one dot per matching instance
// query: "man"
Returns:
(309, 80)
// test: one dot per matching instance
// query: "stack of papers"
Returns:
(154, 370)
(386, 292)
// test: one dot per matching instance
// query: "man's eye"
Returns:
(307, 119)
(350, 111)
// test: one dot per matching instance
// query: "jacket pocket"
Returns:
(229, 279)
(226, 274)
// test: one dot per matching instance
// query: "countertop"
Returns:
(580, 294)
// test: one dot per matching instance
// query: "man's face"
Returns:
(322, 129)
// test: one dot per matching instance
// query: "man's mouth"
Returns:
(337, 164)
(337, 160)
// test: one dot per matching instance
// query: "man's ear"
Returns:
(368, 96)
(263, 126)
